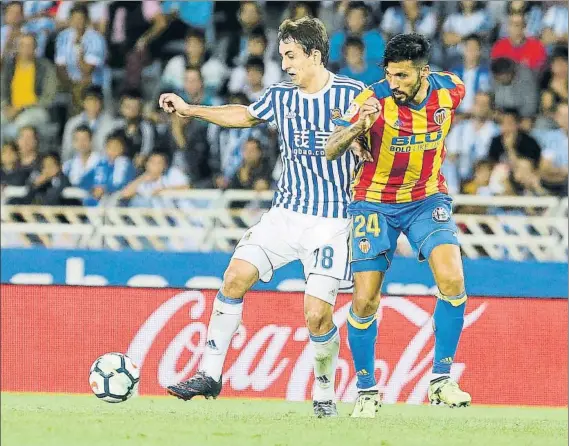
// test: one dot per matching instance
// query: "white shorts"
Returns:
(320, 243)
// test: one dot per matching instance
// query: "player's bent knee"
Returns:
(238, 278)
(319, 319)
(451, 284)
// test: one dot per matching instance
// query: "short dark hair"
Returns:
(354, 41)
(402, 47)
(259, 33)
(80, 8)
(559, 52)
(93, 91)
(474, 37)
(357, 5)
(511, 111)
(52, 154)
(255, 63)
(84, 128)
(163, 154)
(116, 136)
(197, 33)
(310, 33)
(131, 93)
(502, 65)
(32, 36)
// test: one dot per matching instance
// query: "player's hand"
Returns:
(369, 112)
(172, 103)
(361, 152)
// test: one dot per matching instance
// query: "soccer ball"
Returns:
(114, 377)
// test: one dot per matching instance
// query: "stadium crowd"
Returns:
(80, 82)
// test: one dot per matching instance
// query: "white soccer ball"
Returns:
(114, 377)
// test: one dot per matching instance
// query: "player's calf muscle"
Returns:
(367, 293)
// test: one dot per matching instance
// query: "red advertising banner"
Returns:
(512, 351)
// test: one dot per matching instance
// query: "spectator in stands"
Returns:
(28, 149)
(14, 25)
(214, 72)
(555, 24)
(250, 16)
(194, 91)
(471, 18)
(11, 174)
(480, 181)
(476, 77)
(189, 147)
(254, 172)
(356, 26)
(256, 48)
(533, 14)
(297, 10)
(45, 187)
(133, 34)
(80, 54)
(157, 177)
(137, 132)
(100, 122)
(555, 77)
(524, 179)
(546, 117)
(513, 142)
(39, 22)
(98, 13)
(528, 51)
(410, 17)
(253, 87)
(469, 141)
(515, 87)
(12, 28)
(554, 157)
(29, 85)
(78, 168)
(112, 173)
(355, 66)
(227, 145)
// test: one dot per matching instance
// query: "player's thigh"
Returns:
(267, 245)
(432, 225)
(367, 292)
(373, 241)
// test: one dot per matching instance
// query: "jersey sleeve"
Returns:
(263, 108)
(353, 112)
(458, 91)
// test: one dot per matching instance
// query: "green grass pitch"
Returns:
(82, 420)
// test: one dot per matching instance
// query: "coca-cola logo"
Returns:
(265, 355)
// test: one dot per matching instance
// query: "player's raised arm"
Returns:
(237, 116)
(348, 130)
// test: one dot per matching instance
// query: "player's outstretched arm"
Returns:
(342, 138)
(224, 115)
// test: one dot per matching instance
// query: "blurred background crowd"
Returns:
(80, 82)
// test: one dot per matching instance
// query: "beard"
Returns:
(406, 98)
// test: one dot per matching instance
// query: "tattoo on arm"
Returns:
(341, 139)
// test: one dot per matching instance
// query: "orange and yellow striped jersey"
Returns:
(407, 142)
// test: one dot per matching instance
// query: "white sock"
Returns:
(438, 375)
(224, 321)
(326, 349)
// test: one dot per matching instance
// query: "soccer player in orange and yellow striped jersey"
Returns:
(397, 127)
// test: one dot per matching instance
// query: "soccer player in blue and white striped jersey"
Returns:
(308, 220)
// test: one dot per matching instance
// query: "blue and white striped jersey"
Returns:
(309, 184)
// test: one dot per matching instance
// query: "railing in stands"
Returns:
(515, 228)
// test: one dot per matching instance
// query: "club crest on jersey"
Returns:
(364, 245)
(335, 113)
(441, 215)
(352, 111)
(441, 115)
